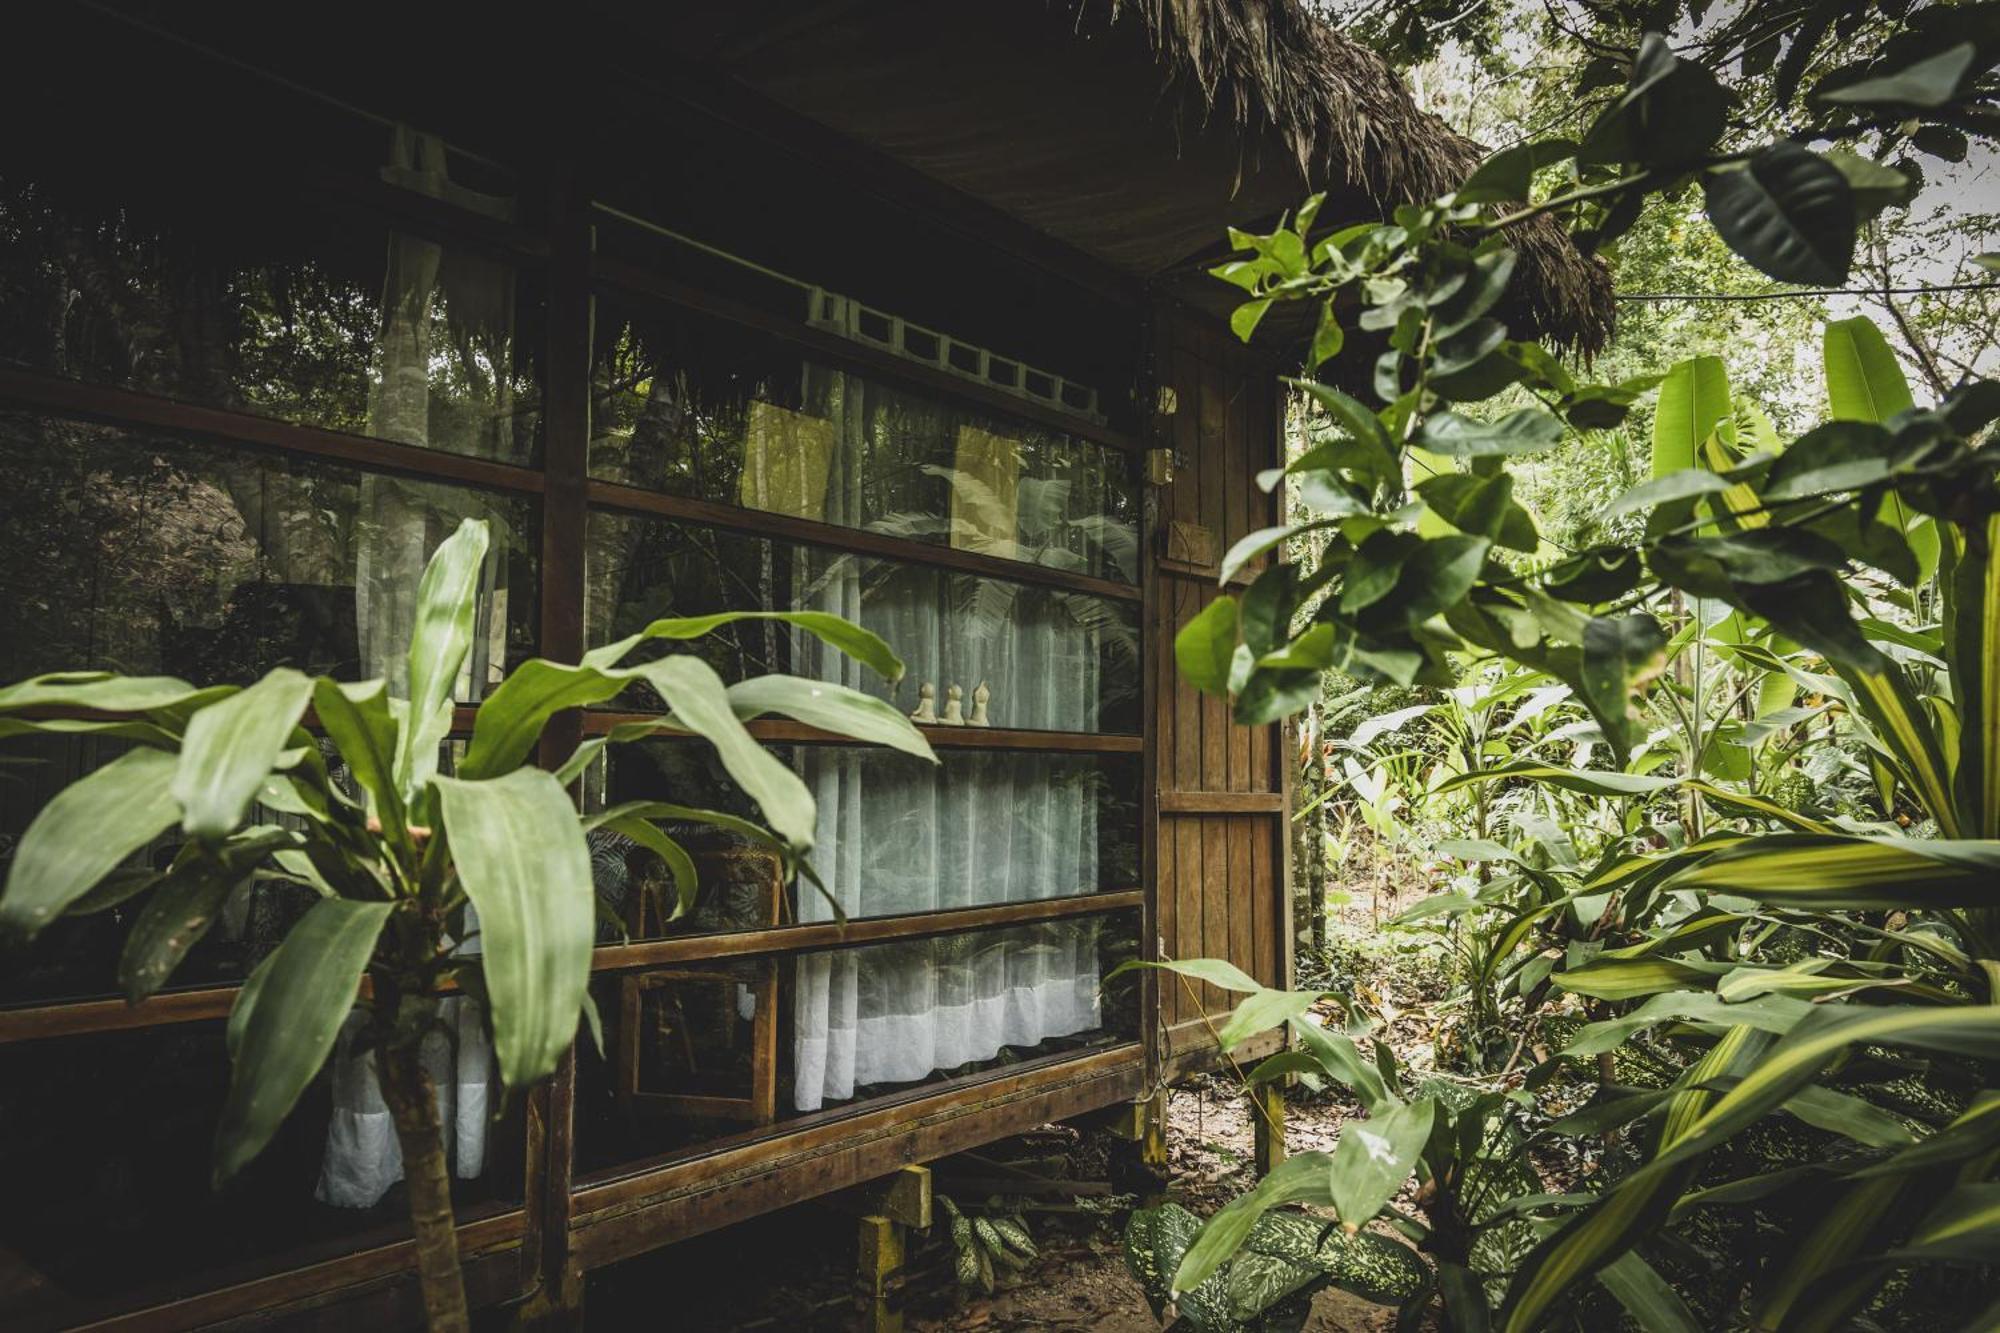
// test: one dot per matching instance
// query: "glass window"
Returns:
(108, 1153)
(894, 835)
(705, 1052)
(157, 252)
(699, 408)
(129, 551)
(1047, 658)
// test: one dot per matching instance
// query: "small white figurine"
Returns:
(980, 694)
(954, 707)
(926, 704)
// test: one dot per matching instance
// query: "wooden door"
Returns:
(1221, 851)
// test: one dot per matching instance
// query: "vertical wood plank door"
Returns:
(1220, 864)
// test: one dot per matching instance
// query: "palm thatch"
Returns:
(1280, 72)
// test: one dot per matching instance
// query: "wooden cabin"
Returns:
(886, 308)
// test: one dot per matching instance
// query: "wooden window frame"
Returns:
(562, 1222)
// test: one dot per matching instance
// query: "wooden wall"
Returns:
(1221, 854)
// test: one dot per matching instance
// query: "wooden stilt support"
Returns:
(882, 1273)
(1267, 1125)
(1139, 1160)
(886, 1209)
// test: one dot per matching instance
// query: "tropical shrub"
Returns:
(1778, 925)
(407, 860)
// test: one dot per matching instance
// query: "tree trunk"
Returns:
(413, 1105)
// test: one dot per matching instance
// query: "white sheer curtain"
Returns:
(896, 835)
(401, 523)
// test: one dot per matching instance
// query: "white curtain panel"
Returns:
(401, 523)
(896, 835)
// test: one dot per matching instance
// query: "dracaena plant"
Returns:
(402, 859)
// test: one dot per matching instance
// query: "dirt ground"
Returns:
(793, 1272)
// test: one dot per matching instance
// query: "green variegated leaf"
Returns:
(1305, 1178)
(1629, 978)
(1822, 871)
(1591, 783)
(1654, 1305)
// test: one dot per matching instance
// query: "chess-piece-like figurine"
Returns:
(926, 704)
(954, 706)
(980, 694)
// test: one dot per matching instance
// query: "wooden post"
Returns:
(882, 1273)
(1267, 1125)
(1139, 1158)
(886, 1208)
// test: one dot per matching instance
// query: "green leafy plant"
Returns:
(406, 860)
(986, 1244)
(1790, 963)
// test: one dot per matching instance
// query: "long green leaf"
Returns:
(1816, 1264)
(521, 856)
(1694, 398)
(1304, 1178)
(359, 720)
(830, 707)
(1262, 1010)
(185, 905)
(291, 1013)
(1214, 971)
(1588, 782)
(1699, 1126)
(447, 598)
(1829, 871)
(1375, 1156)
(696, 697)
(1907, 732)
(97, 691)
(1654, 1305)
(864, 646)
(1972, 644)
(1629, 978)
(231, 747)
(83, 834)
(687, 882)
(1964, 1227)
(1595, 1238)
(1768, 1013)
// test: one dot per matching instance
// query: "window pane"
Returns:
(894, 835)
(154, 275)
(109, 1147)
(1047, 658)
(727, 1049)
(702, 409)
(128, 551)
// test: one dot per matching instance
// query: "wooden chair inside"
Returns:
(701, 1041)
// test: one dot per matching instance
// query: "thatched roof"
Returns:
(1134, 131)
(1272, 70)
